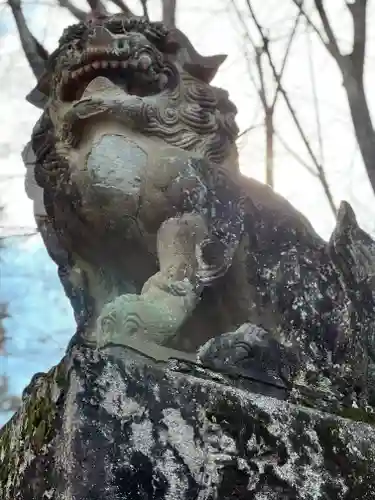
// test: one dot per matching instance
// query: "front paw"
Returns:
(118, 320)
(154, 316)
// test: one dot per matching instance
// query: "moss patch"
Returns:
(25, 438)
(358, 414)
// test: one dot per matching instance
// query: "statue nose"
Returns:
(103, 38)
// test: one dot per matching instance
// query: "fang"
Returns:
(144, 61)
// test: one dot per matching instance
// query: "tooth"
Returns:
(66, 75)
(145, 61)
(114, 64)
(163, 80)
(96, 64)
(104, 64)
(87, 67)
(80, 71)
(124, 64)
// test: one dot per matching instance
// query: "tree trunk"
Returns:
(169, 13)
(362, 122)
(269, 149)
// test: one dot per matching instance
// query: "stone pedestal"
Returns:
(114, 425)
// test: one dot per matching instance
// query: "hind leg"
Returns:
(255, 354)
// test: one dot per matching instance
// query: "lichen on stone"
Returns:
(25, 441)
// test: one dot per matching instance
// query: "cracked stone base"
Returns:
(114, 425)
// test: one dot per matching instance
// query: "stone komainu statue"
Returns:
(159, 240)
(198, 294)
(132, 135)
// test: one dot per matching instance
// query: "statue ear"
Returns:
(37, 98)
(206, 68)
(39, 95)
(200, 67)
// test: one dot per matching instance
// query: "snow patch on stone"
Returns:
(142, 437)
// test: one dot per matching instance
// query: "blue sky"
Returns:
(41, 322)
(6, 19)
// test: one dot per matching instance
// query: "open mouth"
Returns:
(138, 76)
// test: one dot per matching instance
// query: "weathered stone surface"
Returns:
(129, 148)
(114, 425)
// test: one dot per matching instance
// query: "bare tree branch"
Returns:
(169, 13)
(123, 7)
(262, 93)
(285, 58)
(145, 9)
(97, 7)
(314, 92)
(3, 315)
(19, 235)
(295, 155)
(299, 5)
(35, 53)
(249, 129)
(352, 67)
(286, 55)
(331, 43)
(270, 155)
(268, 120)
(320, 169)
(262, 88)
(358, 10)
(259, 89)
(79, 14)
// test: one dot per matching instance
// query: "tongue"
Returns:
(98, 85)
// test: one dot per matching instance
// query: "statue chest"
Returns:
(121, 177)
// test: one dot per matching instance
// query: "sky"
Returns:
(39, 308)
(40, 320)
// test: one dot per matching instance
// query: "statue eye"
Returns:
(132, 325)
(170, 76)
(107, 324)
